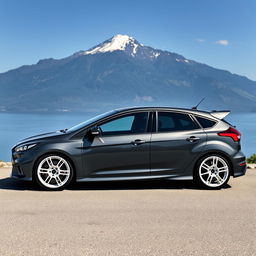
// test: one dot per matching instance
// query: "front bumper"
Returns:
(22, 166)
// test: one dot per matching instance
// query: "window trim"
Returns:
(150, 122)
(177, 112)
(120, 116)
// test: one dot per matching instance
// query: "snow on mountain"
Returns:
(120, 43)
(182, 60)
(117, 42)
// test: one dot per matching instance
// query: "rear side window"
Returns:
(205, 123)
(169, 122)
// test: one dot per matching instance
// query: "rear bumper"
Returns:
(240, 171)
(239, 164)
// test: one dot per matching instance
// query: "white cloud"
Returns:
(143, 99)
(200, 40)
(222, 42)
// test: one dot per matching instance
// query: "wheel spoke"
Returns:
(60, 163)
(218, 178)
(49, 162)
(48, 179)
(64, 172)
(223, 169)
(206, 166)
(58, 180)
(209, 179)
(44, 170)
(215, 161)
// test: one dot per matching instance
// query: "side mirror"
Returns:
(95, 131)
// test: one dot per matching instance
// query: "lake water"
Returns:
(14, 127)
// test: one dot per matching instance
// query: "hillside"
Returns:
(122, 72)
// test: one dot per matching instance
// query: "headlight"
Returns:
(24, 147)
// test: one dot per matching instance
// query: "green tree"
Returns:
(252, 159)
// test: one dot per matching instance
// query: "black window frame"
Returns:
(176, 112)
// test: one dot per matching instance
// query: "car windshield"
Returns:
(89, 121)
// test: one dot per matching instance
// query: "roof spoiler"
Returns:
(220, 114)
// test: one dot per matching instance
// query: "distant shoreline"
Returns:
(5, 164)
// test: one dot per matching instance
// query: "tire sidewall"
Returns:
(38, 182)
(197, 177)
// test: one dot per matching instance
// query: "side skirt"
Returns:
(168, 177)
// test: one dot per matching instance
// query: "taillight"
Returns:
(232, 133)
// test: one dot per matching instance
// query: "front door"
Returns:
(121, 150)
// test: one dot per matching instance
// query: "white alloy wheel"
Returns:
(214, 171)
(53, 172)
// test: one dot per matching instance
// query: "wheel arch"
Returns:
(220, 153)
(58, 153)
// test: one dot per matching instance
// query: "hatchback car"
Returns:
(135, 144)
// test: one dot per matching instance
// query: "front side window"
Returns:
(128, 124)
(170, 122)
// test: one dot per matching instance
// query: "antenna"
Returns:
(198, 103)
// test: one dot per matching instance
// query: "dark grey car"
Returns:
(133, 144)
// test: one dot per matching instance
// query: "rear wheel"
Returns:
(53, 172)
(212, 172)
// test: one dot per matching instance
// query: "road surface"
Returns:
(135, 218)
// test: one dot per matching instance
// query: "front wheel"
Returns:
(53, 172)
(212, 172)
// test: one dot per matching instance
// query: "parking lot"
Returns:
(135, 218)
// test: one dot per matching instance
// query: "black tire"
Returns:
(215, 177)
(65, 174)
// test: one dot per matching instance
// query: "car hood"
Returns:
(40, 136)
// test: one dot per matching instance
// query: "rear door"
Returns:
(175, 145)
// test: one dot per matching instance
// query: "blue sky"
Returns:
(220, 33)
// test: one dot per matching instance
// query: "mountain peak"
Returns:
(117, 42)
(119, 39)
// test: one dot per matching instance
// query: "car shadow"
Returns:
(13, 184)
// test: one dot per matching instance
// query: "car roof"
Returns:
(148, 108)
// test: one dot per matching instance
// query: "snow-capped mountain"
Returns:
(122, 72)
(127, 44)
(118, 42)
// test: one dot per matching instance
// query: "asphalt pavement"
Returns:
(128, 218)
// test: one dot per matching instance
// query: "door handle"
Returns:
(192, 139)
(138, 142)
